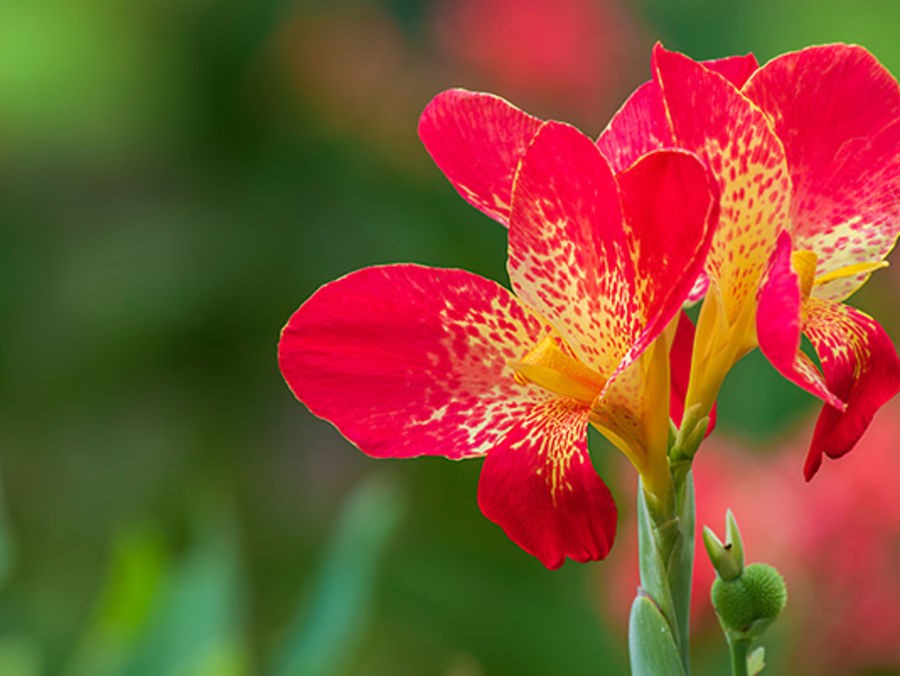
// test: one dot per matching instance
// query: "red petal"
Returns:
(477, 140)
(638, 127)
(680, 363)
(567, 246)
(542, 490)
(406, 360)
(778, 325)
(837, 111)
(736, 69)
(710, 117)
(861, 367)
(641, 124)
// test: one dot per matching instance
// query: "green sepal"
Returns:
(756, 661)
(651, 644)
(727, 558)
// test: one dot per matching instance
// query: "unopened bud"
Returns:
(750, 602)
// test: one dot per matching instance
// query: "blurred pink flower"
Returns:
(564, 54)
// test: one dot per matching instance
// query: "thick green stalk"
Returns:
(739, 650)
(666, 545)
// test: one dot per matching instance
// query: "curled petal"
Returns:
(837, 111)
(711, 118)
(778, 325)
(477, 140)
(541, 488)
(861, 367)
(407, 360)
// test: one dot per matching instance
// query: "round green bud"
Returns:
(758, 594)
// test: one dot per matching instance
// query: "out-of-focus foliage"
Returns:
(175, 178)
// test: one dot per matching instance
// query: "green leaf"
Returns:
(329, 625)
(195, 628)
(651, 644)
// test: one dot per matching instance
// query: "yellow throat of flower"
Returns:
(551, 366)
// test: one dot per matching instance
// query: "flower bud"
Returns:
(747, 604)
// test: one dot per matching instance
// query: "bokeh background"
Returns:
(176, 177)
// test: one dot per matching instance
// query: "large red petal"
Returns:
(568, 253)
(711, 118)
(861, 367)
(477, 140)
(778, 325)
(641, 124)
(541, 488)
(406, 360)
(837, 111)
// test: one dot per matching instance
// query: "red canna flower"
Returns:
(806, 152)
(407, 360)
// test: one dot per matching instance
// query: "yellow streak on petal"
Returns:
(850, 271)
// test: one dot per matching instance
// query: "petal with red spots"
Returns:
(477, 140)
(778, 325)
(568, 252)
(406, 360)
(861, 367)
(711, 118)
(541, 487)
(837, 111)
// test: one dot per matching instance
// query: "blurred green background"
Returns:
(176, 177)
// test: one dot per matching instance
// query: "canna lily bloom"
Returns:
(407, 360)
(806, 153)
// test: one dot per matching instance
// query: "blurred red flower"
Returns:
(542, 53)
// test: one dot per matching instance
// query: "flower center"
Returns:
(551, 365)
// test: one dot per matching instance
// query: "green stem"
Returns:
(666, 544)
(739, 650)
(681, 571)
